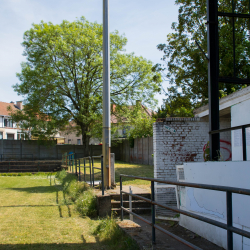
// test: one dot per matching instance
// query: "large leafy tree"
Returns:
(186, 64)
(62, 76)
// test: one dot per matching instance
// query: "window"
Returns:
(10, 136)
(78, 141)
(1, 135)
(69, 141)
(8, 123)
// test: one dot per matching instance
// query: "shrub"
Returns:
(86, 204)
(74, 189)
(109, 233)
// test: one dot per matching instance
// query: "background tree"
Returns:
(62, 76)
(187, 66)
(136, 120)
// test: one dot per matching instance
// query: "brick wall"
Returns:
(178, 140)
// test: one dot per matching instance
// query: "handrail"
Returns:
(71, 159)
(228, 226)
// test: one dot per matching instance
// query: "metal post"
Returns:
(76, 166)
(213, 75)
(153, 210)
(130, 204)
(72, 163)
(84, 170)
(106, 138)
(90, 171)
(93, 171)
(229, 221)
(244, 144)
(102, 175)
(79, 169)
(121, 198)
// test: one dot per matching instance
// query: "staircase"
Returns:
(29, 166)
(138, 206)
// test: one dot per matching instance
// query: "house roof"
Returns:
(4, 108)
(225, 103)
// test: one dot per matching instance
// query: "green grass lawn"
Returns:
(34, 216)
(123, 168)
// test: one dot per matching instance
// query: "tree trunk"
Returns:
(85, 141)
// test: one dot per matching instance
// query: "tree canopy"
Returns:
(185, 63)
(62, 75)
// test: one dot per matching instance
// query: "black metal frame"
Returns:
(213, 70)
(229, 226)
(244, 144)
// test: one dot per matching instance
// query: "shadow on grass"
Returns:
(38, 189)
(52, 246)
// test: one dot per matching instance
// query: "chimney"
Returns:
(19, 104)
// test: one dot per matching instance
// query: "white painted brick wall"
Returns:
(185, 145)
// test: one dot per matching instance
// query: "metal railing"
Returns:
(72, 162)
(243, 129)
(101, 168)
(229, 226)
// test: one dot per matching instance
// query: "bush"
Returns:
(74, 189)
(86, 204)
(78, 192)
(109, 233)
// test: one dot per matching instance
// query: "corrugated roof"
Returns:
(4, 108)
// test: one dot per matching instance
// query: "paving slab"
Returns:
(141, 232)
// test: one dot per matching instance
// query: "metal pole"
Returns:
(229, 221)
(121, 198)
(130, 204)
(84, 170)
(93, 172)
(90, 171)
(79, 169)
(106, 140)
(153, 210)
(213, 75)
(244, 144)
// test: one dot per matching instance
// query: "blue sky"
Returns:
(144, 22)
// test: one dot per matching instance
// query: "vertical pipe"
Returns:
(102, 175)
(229, 221)
(106, 141)
(153, 210)
(213, 75)
(121, 198)
(244, 144)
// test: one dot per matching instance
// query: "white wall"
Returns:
(240, 115)
(212, 204)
